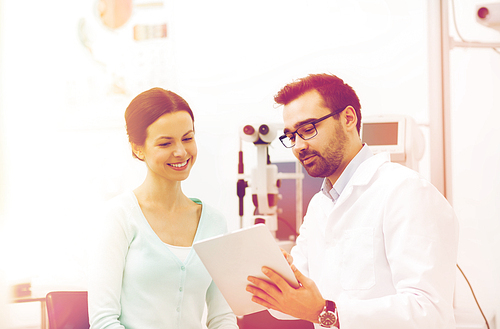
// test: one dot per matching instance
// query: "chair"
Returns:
(67, 310)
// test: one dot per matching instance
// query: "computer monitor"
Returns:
(398, 135)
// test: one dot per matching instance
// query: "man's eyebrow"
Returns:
(300, 123)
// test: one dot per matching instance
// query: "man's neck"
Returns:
(348, 158)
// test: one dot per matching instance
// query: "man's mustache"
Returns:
(305, 154)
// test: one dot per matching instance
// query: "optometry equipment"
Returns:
(397, 134)
(489, 15)
(264, 179)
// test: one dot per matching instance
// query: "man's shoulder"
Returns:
(396, 178)
(399, 171)
(379, 169)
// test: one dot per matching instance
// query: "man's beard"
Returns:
(327, 163)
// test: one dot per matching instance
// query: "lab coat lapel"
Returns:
(361, 177)
(363, 174)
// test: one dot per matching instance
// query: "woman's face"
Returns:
(170, 148)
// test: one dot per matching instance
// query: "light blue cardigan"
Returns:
(136, 282)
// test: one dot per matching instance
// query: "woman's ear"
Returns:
(138, 151)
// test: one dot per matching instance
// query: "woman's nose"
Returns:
(180, 150)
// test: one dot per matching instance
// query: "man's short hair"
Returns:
(335, 93)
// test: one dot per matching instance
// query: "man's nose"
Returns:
(300, 144)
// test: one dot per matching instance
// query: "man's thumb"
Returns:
(298, 275)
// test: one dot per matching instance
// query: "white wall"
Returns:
(66, 151)
(475, 113)
(3, 280)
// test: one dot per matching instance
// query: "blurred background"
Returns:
(68, 69)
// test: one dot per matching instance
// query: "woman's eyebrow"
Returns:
(168, 137)
(164, 137)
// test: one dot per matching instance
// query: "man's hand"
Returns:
(304, 302)
(287, 256)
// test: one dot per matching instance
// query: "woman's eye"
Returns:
(165, 144)
(188, 139)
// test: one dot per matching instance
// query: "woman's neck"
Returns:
(161, 193)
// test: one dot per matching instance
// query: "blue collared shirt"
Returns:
(333, 192)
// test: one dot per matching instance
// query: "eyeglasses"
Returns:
(306, 131)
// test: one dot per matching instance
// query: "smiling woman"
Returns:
(143, 272)
(161, 132)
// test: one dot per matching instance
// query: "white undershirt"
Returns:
(180, 252)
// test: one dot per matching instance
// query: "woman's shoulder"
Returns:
(121, 205)
(212, 221)
(116, 215)
(208, 209)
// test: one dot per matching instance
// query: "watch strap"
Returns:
(330, 306)
(329, 318)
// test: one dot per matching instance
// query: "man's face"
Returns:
(322, 155)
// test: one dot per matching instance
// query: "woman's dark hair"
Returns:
(336, 94)
(149, 106)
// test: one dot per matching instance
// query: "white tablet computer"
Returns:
(232, 257)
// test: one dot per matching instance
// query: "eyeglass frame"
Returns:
(314, 122)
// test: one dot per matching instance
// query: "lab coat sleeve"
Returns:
(106, 262)
(421, 237)
(220, 315)
(300, 255)
(300, 250)
(300, 258)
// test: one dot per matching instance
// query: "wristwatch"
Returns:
(329, 318)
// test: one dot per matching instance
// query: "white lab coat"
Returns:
(385, 252)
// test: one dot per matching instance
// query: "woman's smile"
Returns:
(179, 165)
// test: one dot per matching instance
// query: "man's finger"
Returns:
(262, 302)
(261, 297)
(301, 278)
(269, 287)
(287, 256)
(277, 279)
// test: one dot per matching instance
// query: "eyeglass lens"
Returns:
(305, 132)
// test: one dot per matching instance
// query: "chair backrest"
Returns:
(68, 310)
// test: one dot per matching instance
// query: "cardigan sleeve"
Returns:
(220, 315)
(105, 271)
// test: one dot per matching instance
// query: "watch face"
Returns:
(328, 319)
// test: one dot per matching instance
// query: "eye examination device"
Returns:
(398, 135)
(264, 179)
(489, 15)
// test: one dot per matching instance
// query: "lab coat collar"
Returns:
(334, 192)
(368, 168)
(362, 177)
